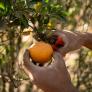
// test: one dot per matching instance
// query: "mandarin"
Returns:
(41, 52)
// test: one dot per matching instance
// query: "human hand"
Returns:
(72, 41)
(52, 78)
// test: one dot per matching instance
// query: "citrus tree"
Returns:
(16, 15)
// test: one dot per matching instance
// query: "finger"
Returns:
(58, 59)
(64, 50)
(60, 63)
(26, 57)
(27, 60)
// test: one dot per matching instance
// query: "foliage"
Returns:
(41, 13)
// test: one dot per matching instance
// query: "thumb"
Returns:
(27, 61)
(29, 68)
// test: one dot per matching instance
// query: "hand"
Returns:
(53, 78)
(72, 41)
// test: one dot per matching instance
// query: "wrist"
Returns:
(87, 40)
(68, 87)
(83, 38)
(71, 88)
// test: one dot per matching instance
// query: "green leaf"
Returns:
(46, 19)
(23, 21)
(63, 19)
(35, 0)
(64, 13)
(44, 10)
(46, 1)
(2, 6)
(5, 7)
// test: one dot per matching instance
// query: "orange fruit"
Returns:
(41, 52)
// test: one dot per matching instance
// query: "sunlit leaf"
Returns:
(2, 6)
(5, 7)
(46, 1)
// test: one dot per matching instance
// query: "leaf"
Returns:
(23, 21)
(63, 19)
(64, 13)
(44, 10)
(5, 7)
(46, 19)
(40, 30)
(46, 1)
(2, 6)
(35, 0)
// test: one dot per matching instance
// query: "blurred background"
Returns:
(20, 19)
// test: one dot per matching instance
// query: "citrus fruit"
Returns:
(41, 52)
